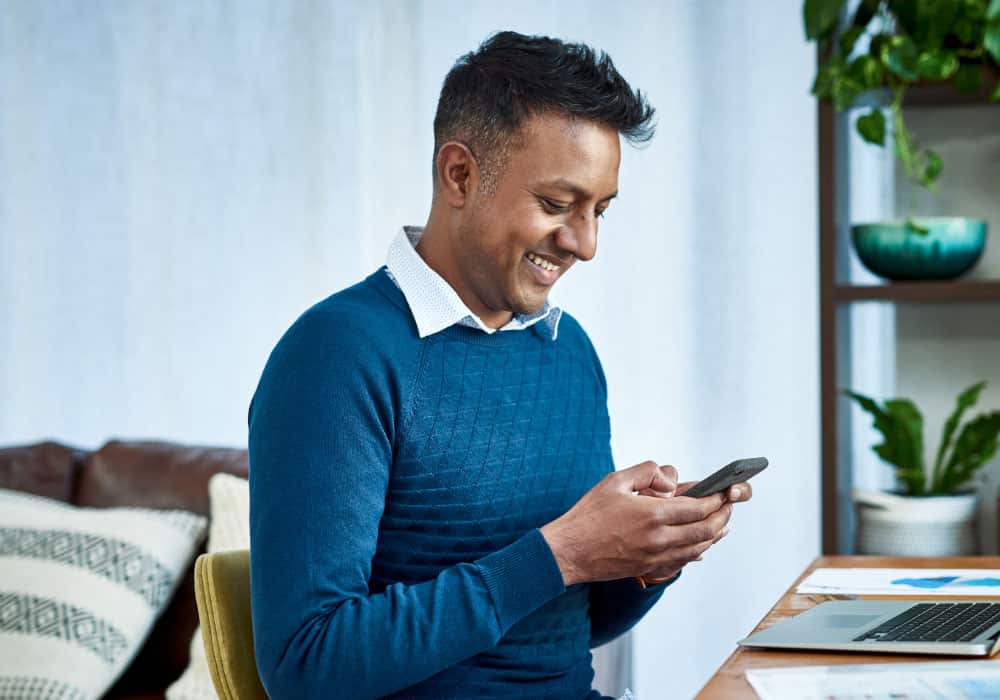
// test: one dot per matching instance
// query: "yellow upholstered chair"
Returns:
(222, 589)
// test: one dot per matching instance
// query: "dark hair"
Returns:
(488, 94)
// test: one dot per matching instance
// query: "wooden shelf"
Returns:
(935, 94)
(944, 94)
(982, 291)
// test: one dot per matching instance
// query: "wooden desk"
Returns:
(730, 683)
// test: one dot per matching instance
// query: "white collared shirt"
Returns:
(435, 305)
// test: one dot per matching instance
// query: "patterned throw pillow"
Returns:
(80, 589)
(229, 497)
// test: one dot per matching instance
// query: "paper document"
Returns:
(908, 582)
(943, 680)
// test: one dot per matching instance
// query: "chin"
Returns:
(525, 298)
(528, 307)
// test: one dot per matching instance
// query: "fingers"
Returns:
(713, 530)
(684, 486)
(693, 525)
(740, 492)
(669, 471)
(681, 510)
(706, 531)
(653, 493)
(722, 533)
(650, 476)
(678, 558)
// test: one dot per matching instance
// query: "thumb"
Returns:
(649, 475)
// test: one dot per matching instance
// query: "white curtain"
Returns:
(178, 180)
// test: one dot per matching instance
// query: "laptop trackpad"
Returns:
(839, 621)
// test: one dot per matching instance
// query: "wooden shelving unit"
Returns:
(835, 295)
(920, 292)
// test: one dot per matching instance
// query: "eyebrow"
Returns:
(563, 183)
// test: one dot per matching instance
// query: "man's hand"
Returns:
(635, 522)
(736, 494)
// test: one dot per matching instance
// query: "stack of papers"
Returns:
(904, 582)
(943, 680)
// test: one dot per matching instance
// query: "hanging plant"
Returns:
(894, 44)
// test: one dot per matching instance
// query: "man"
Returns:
(434, 511)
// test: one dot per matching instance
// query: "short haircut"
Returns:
(490, 92)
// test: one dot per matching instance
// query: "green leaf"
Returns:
(913, 227)
(968, 77)
(820, 17)
(966, 400)
(970, 22)
(849, 38)
(828, 75)
(871, 126)
(975, 446)
(899, 54)
(993, 13)
(991, 40)
(912, 426)
(937, 64)
(901, 426)
(967, 31)
(845, 91)
(935, 19)
(932, 168)
(876, 44)
(866, 70)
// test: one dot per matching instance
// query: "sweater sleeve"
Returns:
(321, 447)
(616, 606)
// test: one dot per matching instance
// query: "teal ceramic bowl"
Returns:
(892, 249)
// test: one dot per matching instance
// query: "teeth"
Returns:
(542, 262)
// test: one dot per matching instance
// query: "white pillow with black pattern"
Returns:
(80, 589)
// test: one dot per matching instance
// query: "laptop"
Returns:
(954, 627)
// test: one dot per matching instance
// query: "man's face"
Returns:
(514, 245)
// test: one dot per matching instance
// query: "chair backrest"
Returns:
(222, 589)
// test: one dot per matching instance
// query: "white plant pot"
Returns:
(916, 526)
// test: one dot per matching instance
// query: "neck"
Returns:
(436, 249)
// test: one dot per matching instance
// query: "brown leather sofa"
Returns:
(145, 474)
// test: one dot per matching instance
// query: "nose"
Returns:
(579, 237)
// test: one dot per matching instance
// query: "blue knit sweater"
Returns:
(397, 485)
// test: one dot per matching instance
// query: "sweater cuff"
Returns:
(521, 577)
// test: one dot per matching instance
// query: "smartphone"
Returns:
(733, 473)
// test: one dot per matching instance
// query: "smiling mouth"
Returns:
(544, 272)
(542, 262)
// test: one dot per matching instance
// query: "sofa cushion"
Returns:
(154, 475)
(158, 475)
(45, 469)
(228, 529)
(80, 589)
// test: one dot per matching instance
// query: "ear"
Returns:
(457, 173)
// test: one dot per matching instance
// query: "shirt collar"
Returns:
(435, 305)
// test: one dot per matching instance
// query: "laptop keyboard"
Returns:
(936, 622)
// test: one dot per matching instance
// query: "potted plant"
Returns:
(933, 512)
(888, 46)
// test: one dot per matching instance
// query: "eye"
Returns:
(554, 207)
(601, 212)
